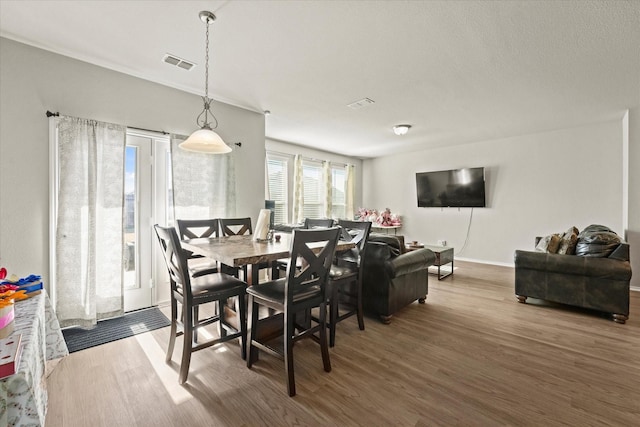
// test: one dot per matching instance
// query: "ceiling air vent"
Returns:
(361, 103)
(178, 62)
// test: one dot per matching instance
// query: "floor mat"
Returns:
(110, 330)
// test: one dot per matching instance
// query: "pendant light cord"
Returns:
(206, 64)
(207, 101)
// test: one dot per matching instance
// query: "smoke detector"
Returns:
(178, 62)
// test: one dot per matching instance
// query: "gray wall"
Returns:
(33, 81)
(536, 185)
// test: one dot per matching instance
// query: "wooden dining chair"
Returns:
(199, 228)
(236, 226)
(192, 292)
(309, 224)
(345, 277)
(239, 227)
(300, 291)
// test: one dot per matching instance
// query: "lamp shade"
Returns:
(205, 141)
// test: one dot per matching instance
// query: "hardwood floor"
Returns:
(472, 355)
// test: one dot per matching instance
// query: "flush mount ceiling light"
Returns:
(401, 129)
(205, 140)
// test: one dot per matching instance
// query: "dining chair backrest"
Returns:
(175, 259)
(310, 280)
(355, 231)
(196, 228)
(235, 226)
(310, 223)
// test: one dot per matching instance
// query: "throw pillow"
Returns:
(597, 241)
(549, 244)
(568, 242)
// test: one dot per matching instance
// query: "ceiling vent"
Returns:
(361, 103)
(178, 62)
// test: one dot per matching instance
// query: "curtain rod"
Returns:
(57, 114)
(309, 158)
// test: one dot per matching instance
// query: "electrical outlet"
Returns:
(442, 242)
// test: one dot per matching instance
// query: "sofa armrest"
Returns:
(621, 252)
(417, 260)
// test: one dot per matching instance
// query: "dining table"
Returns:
(240, 251)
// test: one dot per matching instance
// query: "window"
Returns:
(322, 192)
(277, 181)
(338, 191)
(313, 188)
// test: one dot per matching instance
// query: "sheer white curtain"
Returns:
(298, 190)
(204, 185)
(88, 274)
(328, 188)
(349, 208)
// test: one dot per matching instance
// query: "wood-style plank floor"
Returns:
(472, 355)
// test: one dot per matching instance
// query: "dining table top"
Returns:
(237, 251)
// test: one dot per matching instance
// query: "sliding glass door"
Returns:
(147, 196)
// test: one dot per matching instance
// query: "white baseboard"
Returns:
(482, 261)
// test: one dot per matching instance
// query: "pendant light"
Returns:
(205, 140)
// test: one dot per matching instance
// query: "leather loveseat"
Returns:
(597, 278)
(392, 277)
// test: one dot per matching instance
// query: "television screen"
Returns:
(460, 188)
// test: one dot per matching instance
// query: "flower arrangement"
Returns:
(384, 218)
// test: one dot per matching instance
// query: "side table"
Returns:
(444, 256)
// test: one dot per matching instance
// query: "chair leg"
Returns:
(186, 349)
(195, 322)
(174, 329)
(221, 330)
(241, 309)
(334, 303)
(289, 331)
(324, 348)
(252, 327)
(360, 311)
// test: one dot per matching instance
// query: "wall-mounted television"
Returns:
(456, 188)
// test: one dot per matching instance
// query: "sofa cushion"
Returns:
(597, 241)
(549, 244)
(568, 242)
(395, 243)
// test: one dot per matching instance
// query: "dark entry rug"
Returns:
(106, 331)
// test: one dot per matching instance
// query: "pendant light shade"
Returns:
(205, 140)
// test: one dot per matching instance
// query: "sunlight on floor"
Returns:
(443, 270)
(167, 375)
(139, 328)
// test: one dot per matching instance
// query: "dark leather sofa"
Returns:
(594, 282)
(392, 277)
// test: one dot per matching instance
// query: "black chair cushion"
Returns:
(274, 291)
(215, 285)
(202, 266)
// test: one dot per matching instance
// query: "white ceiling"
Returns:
(458, 71)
